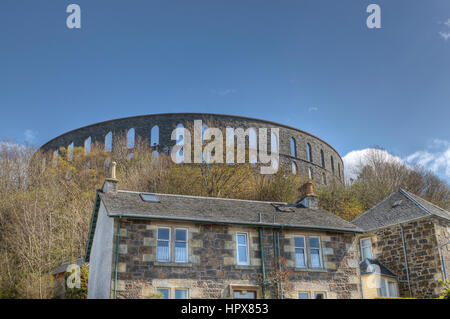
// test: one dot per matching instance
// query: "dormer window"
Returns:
(149, 198)
(397, 203)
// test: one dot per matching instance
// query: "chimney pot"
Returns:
(307, 197)
(110, 184)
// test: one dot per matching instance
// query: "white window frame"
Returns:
(320, 252)
(304, 292)
(163, 288)
(187, 245)
(247, 247)
(175, 291)
(305, 252)
(396, 294)
(157, 240)
(362, 247)
(383, 283)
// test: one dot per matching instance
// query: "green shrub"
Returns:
(78, 293)
(446, 287)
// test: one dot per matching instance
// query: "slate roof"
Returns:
(369, 266)
(400, 206)
(224, 211)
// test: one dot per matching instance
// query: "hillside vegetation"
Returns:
(46, 202)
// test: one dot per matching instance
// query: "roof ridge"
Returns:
(204, 197)
(411, 198)
(434, 205)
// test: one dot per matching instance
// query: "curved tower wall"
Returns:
(168, 122)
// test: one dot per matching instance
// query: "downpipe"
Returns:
(116, 258)
(406, 260)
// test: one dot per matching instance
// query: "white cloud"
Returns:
(435, 157)
(445, 35)
(447, 23)
(30, 136)
(313, 109)
(355, 159)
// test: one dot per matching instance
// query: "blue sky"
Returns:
(312, 64)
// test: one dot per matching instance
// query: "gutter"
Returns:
(406, 259)
(92, 226)
(279, 264)
(253, 224)
(116, 257)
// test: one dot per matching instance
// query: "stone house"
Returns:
(144, 245)
(409, 237)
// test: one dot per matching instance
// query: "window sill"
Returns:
(310, 269)
(172, 264)
(244, 267)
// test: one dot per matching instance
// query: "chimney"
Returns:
(110, 184)
(307, 197)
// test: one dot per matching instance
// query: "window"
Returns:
(154, 141)
(322, 158)
(229, 131)
(181, 294)
(314, 252)
(154, 136)
(242, 249)
(388, 288)
(149, 198)
(310, 174)
(382, 291)
(392, 289)
(324, 179)
(244, 294)
(366, 248)
(303, 295)
(309, 152)
(293, 148)
(332, 164)
(181, 255)
(130, 138)
(87, 145)
(274, 148)
(108, 142)
(165, 292)
(252, 146)
(163, 245)
(319, 295)
(294, 168)
(339, 170)
(299, 246)
(179, 131)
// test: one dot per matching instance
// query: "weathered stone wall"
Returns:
(443, 237)
(422, 256)
(168, 122)
(212, 270)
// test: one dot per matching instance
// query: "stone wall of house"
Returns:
(443, 236)
(422, 256)
(212, 270)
